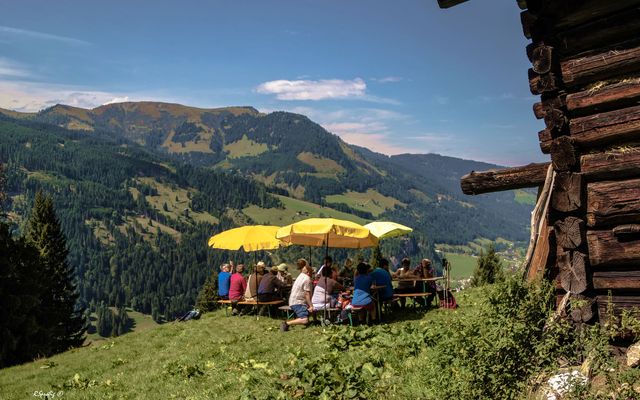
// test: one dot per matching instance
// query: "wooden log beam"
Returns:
(621, 125)
(564, 155)
(605, 249)
(450, 3)
(613, 203)
(612, 164)
(542, 83)
(628, 230)
(567, 192)
(576, 12)
(612, 280)
(541, 109)
(602, 32)
(600, 66)
(600, 99)
(504, 179)
(573, 273)
(618, 304)
(569, 232)
(548, 18)
(541, 57)
(581, 308)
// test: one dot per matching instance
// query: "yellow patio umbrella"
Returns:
(386, 229)
(327, 232)
(249, 238)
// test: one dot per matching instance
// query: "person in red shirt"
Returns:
(237, 287)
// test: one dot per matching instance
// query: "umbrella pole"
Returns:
(255, 270)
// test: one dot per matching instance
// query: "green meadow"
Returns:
(436, 354)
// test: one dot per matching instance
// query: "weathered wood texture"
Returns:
(600, 99)
(544, 17)
(621, 125)
(567, 192)
(544, 253)
(600, 66)
(613, 164)
(504, 179)
(541, 57)
(541, 109)
(569, 232)
(627, 230)
(617, 305)
(602, 32)
(613, 202)
(543, 83)
(581, 308)
(573, 273)
(620, 280)
(606, 249)
(564, 155)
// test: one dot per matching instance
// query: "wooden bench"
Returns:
(286, 310)
(262, 303)
(413, 297)
(321, 312)
(225, 302)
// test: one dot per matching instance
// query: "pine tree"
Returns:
(488, 268)
(208, 294)
(63, 324)
(19, 301)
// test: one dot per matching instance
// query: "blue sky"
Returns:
(401, 76)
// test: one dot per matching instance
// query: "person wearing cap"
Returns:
(252, 285)
(269, 286)
(269, 289)
(283, 274)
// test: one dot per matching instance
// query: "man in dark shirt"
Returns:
(269, 286)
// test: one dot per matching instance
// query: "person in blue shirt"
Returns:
(382, 277)
(362, 283)
(224, 279)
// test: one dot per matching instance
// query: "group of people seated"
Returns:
(329, 287)
(266, 284)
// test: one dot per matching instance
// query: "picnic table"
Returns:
(424, 293)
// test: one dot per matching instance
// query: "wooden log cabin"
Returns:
(585, 66)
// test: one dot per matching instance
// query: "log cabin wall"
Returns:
(585, 66)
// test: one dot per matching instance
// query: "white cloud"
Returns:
(377, 142)
(118, 100)
(31, 96)
(11, 69)
(9, 32)
(314, 90)
(366, 127)
(388, 79)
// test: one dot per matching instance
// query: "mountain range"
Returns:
(128, 177)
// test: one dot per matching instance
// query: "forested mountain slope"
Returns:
(139, 187)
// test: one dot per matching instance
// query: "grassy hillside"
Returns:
(215, 357)
(140, 322)
(492, 347)
(295, 210)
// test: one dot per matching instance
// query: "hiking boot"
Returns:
(284, 326)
